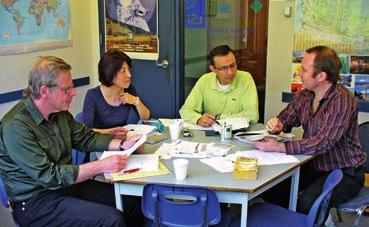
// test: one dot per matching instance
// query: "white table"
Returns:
(227, 188)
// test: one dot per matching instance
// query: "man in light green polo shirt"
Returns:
(222, 93)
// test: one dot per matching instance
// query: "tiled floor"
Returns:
(349, 219)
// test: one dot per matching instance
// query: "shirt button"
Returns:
(23, 208)
(23, 203)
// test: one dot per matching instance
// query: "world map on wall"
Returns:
(341, 24)
(24, 21)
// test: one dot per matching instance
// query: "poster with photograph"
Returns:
(359, 64)
(345, 60)
(362, 87)
(348, 81)
(296, 83)
(132, 26)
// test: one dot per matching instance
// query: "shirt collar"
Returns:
(328, 94)
(214, 85)
(34, 112)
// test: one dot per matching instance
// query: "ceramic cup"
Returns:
(180, 168)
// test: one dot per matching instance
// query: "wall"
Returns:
(83, 55)
(280, 39)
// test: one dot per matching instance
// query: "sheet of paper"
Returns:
(250, 136)
(180, 149)
(265, 158)
(220, 164)
(162, 170)
(144, 162)
(236, 122)
(149, 162)
(196, 127)
(140, 129)
(127, 152)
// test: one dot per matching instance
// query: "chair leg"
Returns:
(359, 213)
(339, 215)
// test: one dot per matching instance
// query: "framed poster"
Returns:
(132, 26)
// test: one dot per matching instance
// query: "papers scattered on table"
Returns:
(265, 158)
(135, 164)
(140, 129)
(220, 164)
(250, 136)
(143, 162)
(186, 149)
(167, 122)
(236, 122)
(162, 170)
(226, 164)
(127, 152)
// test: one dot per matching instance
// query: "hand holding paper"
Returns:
(119, 132)
(114, 163)
(131, 141)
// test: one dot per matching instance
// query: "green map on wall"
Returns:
(338, 22)
(29, 25)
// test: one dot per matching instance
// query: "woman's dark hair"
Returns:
(110, 64)
(221, 50)
(326, 60)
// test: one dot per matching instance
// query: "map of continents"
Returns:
(27, 21)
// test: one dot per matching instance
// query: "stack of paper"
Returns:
(236, 122)
(140, 129)
(250, 136)
(186, 149)
(127, 152)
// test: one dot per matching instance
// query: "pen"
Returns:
(131, 170)
(217, 122)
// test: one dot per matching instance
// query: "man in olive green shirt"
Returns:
(224, 92)
(36, 139)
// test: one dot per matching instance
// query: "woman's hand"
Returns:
(127, 98)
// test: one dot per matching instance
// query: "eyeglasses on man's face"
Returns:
(227, 67)
(66, 90)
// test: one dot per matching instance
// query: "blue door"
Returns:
(158, 84)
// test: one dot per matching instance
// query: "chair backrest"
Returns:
(77, 156)
(3, 195)
(364, 140)
(174, 205)
(317, 213)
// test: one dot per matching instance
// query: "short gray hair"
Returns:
(45, 72)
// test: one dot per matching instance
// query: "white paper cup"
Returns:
(174, 131)
(180, 168)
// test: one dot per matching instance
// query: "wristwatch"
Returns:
(121, 148)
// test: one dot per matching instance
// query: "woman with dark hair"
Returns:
(115, 102)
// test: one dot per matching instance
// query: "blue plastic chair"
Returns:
(4, 195)
(360, 202)
(267, 214)
(172, 205)
(78, 157)
(5, 200)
